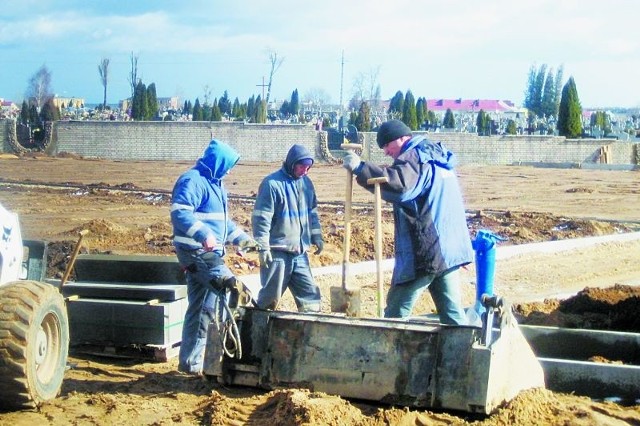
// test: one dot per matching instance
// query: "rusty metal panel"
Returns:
(353, 358)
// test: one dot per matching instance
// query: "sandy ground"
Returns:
(125, 205)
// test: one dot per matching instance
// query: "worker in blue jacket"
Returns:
(285, 224)
(431, 239)
(201, 228)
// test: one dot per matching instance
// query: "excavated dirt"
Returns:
(125, 206)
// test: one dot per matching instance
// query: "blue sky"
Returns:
(437, 49)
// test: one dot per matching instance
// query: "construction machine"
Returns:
(34, 328)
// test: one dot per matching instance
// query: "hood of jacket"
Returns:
(295, 154)
(216, 161)
(431, 152)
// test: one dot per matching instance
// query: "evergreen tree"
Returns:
(260, 113)
(285, 108)
(139, 102)
(528, 94)
(512, 129)
(421, 111)
(236, 111)
(294, 105)
(538, 89)
(363, 118)
(206, 112)
(601, 120)
(449, 121)
(396, 105)
(570, 112)
(216, 112)
(24, 113)
(225, 104)
(483, 123)
(558, 88)
(49, 111)
(34, 117)
(251, 108)
(152, 102)
(197, 111)
(353, 118)
(185, 107)
(548, 104)
(432, 118)
(409, 111)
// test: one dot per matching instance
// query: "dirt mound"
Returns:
(528, 227)
(283, 407)
(543, 407)
(615, 308)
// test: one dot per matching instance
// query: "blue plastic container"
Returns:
(484, 246)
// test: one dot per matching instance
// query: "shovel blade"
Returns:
(345, 301)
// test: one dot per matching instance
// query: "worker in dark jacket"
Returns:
(201, 228)
(285, 224)
(432, 240)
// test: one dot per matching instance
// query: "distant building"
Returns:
(68, 102)
(8, 108)
(164, 104)
(472, 105)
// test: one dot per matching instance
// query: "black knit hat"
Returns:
(390, 131)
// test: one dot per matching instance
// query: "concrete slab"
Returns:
(595, 380)
(123, 322)
(580, 345)
(126, 291)
(131, 269)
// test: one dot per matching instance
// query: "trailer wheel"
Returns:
(34, 343)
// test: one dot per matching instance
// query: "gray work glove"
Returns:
(319, 245)
(351, 161)
(248, 245)
(265, 258)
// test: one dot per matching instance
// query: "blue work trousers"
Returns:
(444, 289)
(202, 298)
(292, 271)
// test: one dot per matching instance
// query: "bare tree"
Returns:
(39, 88)
(366, 89)
(317, 98)
(133, 74)
(103, 70)
(275, 64)
(207, 90)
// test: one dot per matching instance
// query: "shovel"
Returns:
(378, 243)
(344, 299)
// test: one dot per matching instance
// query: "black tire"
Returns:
(34, 343)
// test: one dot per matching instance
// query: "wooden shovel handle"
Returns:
(74, 255)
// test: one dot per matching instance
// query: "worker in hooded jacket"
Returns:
(285, 224)
(202, 227)
(431, 239)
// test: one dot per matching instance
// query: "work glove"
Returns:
(248, 245)
(265, 258)
(319, 244)
(224, 283)
(351, 161)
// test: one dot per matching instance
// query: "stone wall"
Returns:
(269, 143)
(474, 149)
(153, 140)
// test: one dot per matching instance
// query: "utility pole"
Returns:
(341, 84)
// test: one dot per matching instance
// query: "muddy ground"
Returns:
(125, 207)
